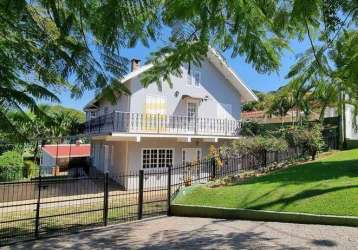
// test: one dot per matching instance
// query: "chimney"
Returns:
(135, 64)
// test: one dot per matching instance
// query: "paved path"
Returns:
(199, 233)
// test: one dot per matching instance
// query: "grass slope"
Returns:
(328, 186)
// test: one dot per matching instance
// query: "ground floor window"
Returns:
(157, 157)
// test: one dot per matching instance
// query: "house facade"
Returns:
(161, 125)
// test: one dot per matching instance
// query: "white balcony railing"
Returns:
(161, 124)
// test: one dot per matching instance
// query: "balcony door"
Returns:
(192, 114)
(154, 118)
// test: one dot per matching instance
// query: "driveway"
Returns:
(201, 233)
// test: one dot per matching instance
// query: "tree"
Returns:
(47, 45)
(57, 122)
(264, 100)
(328, 65)
(281, 104)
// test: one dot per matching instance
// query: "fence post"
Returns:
(276, 156)
(140, 194)
(105, 200)
(265, 158)
(213, 164)
(169, 188)
(37, 219)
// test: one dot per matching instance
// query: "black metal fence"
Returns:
(54, 205)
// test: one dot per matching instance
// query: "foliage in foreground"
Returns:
(56, 121)
(48, 46)
(327, 186)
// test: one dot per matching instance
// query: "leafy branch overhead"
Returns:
(47, 46)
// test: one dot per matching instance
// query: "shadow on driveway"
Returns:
(202, 233)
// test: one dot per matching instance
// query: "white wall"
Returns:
(351, 131)
(128, 158)
(135, 150)
(212, 84)
(117, 165)
(47, 160)
(122, 104)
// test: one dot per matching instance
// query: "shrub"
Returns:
(290, 134)
(11, 166)
(312, 140)
(250, 128)
(31, 169)
(253, 145)
(309, 137)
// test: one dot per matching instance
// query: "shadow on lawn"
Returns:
(309, 172)
(300, 196)
(314, 173)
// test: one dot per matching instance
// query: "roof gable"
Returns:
(217, 60)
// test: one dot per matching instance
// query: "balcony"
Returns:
(139, 123)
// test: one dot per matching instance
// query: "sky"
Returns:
(254, 80)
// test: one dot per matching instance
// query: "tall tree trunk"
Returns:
(321, 114)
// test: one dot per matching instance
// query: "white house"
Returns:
(351, 130)
(154, 126)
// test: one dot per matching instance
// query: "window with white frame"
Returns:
(196, 78)
(93, 114)
(157, 157)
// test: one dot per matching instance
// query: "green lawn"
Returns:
(327, 186)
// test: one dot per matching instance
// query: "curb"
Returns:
(260, 215)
